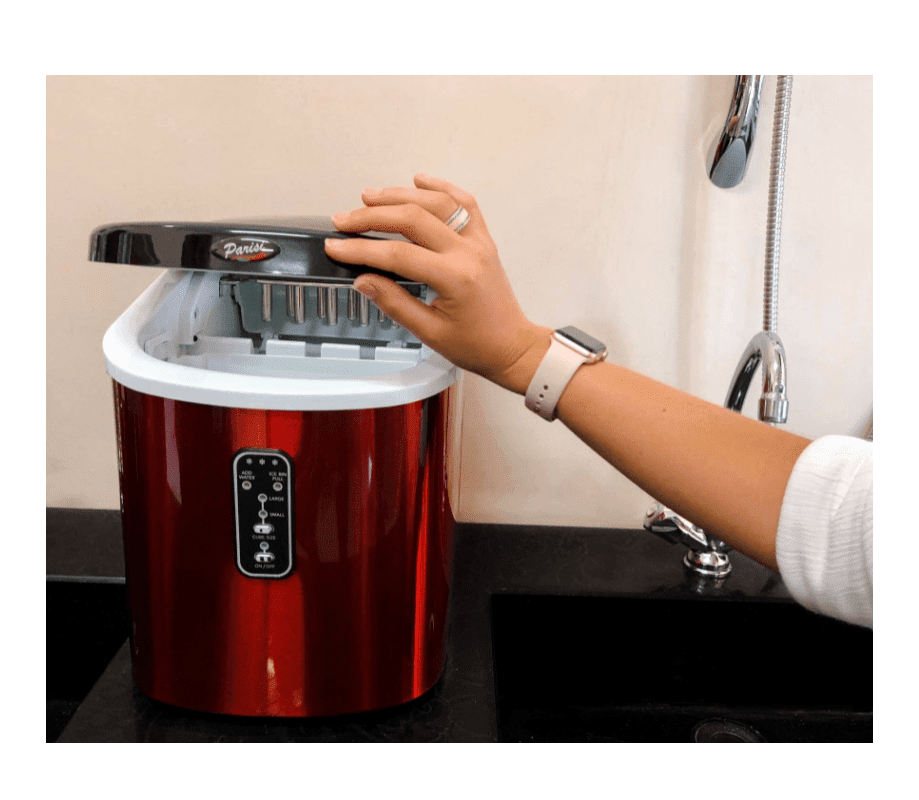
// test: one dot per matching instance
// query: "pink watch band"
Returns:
(555, 371)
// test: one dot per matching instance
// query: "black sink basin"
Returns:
(625, 669)
(86, 624)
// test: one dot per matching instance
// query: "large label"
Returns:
(245, 248)
(263, 493)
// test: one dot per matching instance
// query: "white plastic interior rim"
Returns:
(176, 341)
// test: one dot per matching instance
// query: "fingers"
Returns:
(410, 312)
(462, 197)
(405, 259)
(419, 215)
(436, 196)
(439, 204)
(415, 223)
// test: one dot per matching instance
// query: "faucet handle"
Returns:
(706, 555)
(675, 529)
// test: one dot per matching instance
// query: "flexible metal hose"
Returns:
(776, 190)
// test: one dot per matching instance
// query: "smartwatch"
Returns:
(570, 348)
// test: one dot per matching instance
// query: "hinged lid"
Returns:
(286, 248)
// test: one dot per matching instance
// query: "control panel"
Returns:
(263, 494)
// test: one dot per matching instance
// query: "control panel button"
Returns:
(264, 557)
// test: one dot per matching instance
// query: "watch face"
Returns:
(579, 337)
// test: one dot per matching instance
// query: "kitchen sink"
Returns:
(85, 625)
(686, 669)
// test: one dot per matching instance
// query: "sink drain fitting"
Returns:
(723, 730)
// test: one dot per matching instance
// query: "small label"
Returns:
(245, 248)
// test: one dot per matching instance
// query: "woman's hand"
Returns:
(475, 322)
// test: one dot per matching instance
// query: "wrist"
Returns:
(518, 377)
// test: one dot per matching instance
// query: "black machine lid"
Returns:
(283, 248)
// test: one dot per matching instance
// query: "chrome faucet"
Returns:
(765, 347)
(708, 555)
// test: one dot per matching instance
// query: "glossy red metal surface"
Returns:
(360, 623)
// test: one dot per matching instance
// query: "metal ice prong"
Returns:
(380, 315)
(299, 303)
(266, 302)
(332, 304)
(296, 303)
(353, 294)
(365, 310)
(322, 309)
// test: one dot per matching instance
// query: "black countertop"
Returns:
(83, 545)
(490, 560)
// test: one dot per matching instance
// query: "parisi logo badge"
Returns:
(245, 248)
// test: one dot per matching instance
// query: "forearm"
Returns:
(723, 471)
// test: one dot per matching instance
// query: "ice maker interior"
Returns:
(215, 322)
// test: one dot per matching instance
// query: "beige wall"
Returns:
(594, 189)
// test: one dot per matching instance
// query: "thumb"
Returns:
(393, 300)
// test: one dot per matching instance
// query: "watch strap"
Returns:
(555, 371)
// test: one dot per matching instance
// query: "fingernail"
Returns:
(341, 216)
(371, 191)
(332, 243)
(367, 289)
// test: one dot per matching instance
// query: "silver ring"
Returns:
(459, 220)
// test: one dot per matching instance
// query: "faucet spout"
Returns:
(765, 347)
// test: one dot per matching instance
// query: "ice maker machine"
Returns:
(285, 455)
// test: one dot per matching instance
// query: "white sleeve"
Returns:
(825, 536)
